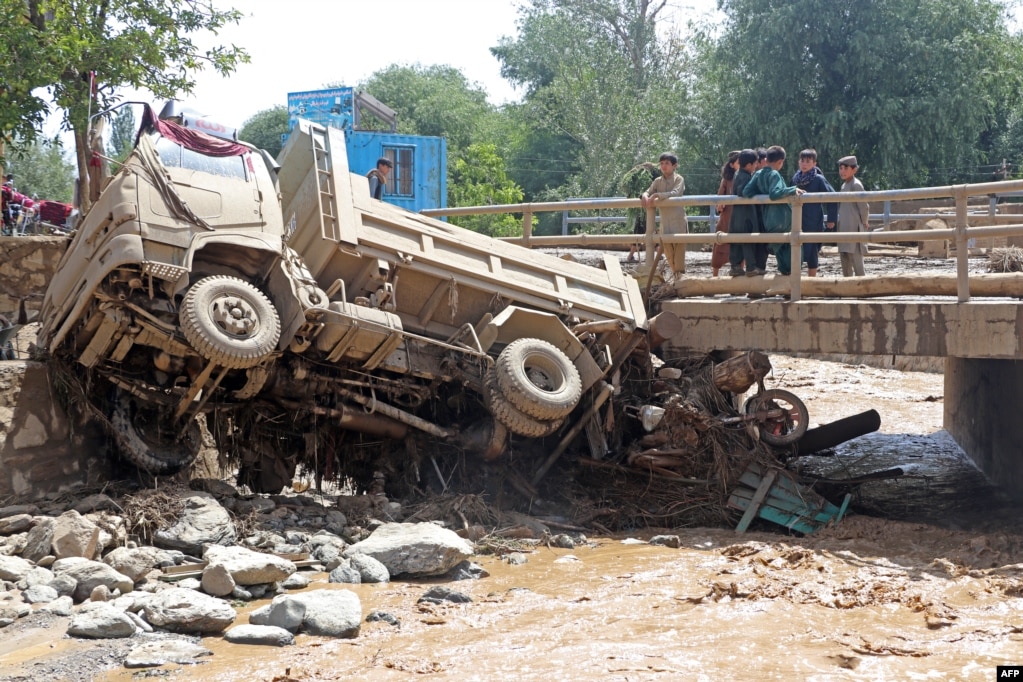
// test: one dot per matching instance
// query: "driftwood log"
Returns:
(993, 284)
(736, 375)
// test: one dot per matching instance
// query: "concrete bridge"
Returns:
(979, 339)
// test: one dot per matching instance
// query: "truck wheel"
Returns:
(150, 441)
(229, 321)
(785, 429)
(514, 419)
(539, 379)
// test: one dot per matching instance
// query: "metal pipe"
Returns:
(400, 415)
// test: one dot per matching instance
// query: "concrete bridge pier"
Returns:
(983, 401)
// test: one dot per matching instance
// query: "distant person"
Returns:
(720, 255)
(809, 178)
(633, 184)
(745, 219)
(776, 217)
(853, 216)
(378, 177)
(673, 219)
(761, 158)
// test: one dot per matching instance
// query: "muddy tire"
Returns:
(514, 419)
(539, 379)
(229, 322)
(786, 429)
(152, 442)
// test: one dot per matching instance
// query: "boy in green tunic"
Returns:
(776, 217)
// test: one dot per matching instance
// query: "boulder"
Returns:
(413, 549)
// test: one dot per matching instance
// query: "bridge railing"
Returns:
(960, 234)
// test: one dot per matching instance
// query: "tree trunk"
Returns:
(737, 374)
(82, 155)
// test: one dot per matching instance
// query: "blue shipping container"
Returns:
(419, 177)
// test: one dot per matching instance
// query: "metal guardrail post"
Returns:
(527, 227)
(651, 225)
(797, 249)
(887, 214)
(962, 245)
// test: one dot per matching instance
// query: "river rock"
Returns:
(370, 570)
(75, 535)
(14, 568)
(217, 580)
(268, 635)
(99, 620)
(203, 522)
(39, 540)
(188, 611)
(19, 523)
(413, 549)
(330, 613)
(89, 574)
(137, 562)
(39, 594)
(61, 606)
(164, 651)
(248, 567)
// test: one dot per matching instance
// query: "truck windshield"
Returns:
(174, 155)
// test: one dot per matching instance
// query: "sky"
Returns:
(298, 45)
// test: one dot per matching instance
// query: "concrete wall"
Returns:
(980, 328)
(982, 407)
(26, 266)
(40, 450)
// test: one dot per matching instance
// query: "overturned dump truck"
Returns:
(313, 326)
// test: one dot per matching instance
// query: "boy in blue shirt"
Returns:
(810, 178)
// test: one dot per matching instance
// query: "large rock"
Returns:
(203, 522)
(247, 567)
(187, 611)
(413, 549)
(136, 562)
(89, 575)
(14, 568)
(39, 542)
(329, 613)
(75, 535)
(101, 621)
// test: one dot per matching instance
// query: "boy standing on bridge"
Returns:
(673, 219)
(852, 217)
(776, 217)
(810, 178)
(746, 220)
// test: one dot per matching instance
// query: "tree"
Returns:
(42, 169)
(122, 133)
(265, 128)
(597, 72)
(133, 43)
(479, 179)
(432, 100)
(909, 86)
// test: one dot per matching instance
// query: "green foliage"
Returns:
(479, 179)
(432, 100)
(264, 129)
(909, 86)
(41, 168)
(596, 73)
(128, 43)
(122, 134)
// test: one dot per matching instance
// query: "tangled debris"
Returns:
(1006, 259)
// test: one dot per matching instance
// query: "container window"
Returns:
(402, 181)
